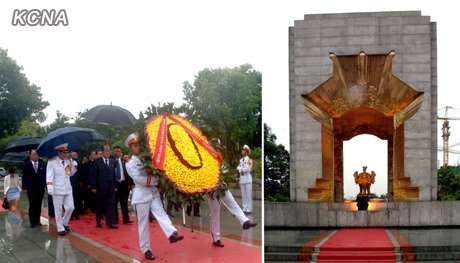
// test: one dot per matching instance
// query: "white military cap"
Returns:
(62, 147)
(132, 138)
(246, 147)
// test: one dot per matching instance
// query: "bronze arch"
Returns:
(362, 97)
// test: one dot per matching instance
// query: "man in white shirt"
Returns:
(146, 198)
(244, 171)
(58, 173)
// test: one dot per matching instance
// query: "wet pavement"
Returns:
(230, 227)
(20, 243)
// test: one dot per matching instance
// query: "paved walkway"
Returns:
(86, 243)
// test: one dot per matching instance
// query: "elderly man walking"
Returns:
(34, 183)
(58, 173)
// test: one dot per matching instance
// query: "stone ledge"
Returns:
(391, 214)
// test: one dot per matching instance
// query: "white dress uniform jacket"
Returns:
(145, 185)
(146, 197)
(57, 179)
(244, 168)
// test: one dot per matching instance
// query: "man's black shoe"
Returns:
(99, 225)
(128, 222)
(175, 237)
(113, 227)
(248, 224)
(149, 255)
(32, 225)
(218, 243)
(62, 233)
(67, 228)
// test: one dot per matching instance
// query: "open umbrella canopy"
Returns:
(16, 157)
(111, 115)
(76, 137)
(23, 144)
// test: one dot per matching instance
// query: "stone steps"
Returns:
(420, 254)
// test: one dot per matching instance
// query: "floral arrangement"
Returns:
(178, 153)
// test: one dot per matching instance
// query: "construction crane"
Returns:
(445, 136)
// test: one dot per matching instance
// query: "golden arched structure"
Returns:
(362, 97)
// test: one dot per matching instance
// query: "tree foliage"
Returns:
(226, 104)
(19, 99)
(448, 183)
(276, 168)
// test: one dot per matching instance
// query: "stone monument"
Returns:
(363, 73)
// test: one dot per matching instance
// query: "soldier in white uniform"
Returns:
(145, 198)
(244, 171)
(230, 203)
(58, 174)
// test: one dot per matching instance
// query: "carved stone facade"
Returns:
(358, 73)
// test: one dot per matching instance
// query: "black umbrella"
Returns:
(75, 137)
(23, 144)
(15, 157)
(111, 115)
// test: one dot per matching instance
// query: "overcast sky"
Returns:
(137, 53)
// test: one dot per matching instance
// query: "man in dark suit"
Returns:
(103, 184)
(124, 185)
(89, 197)
(34, 183)
(75, 181)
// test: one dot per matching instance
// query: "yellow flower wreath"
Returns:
(190, 163)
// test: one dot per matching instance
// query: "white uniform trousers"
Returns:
(214, 208)
(143, 221)
(58, 202)
(246, 195)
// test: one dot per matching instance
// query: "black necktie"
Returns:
(107, 162)
(119, 170)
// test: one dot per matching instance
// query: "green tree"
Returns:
(61, 121)
(276, 168)
(167, 107)
(226, 104)
(449, 184)
(19, 99)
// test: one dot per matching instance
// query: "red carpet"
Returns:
(358, 245)
(196, 247)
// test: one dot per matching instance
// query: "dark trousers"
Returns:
(121, 196)
(77, 200)
(89, 198)
(195, 209)
(35, 206)
(50, 206)
(105, 202)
